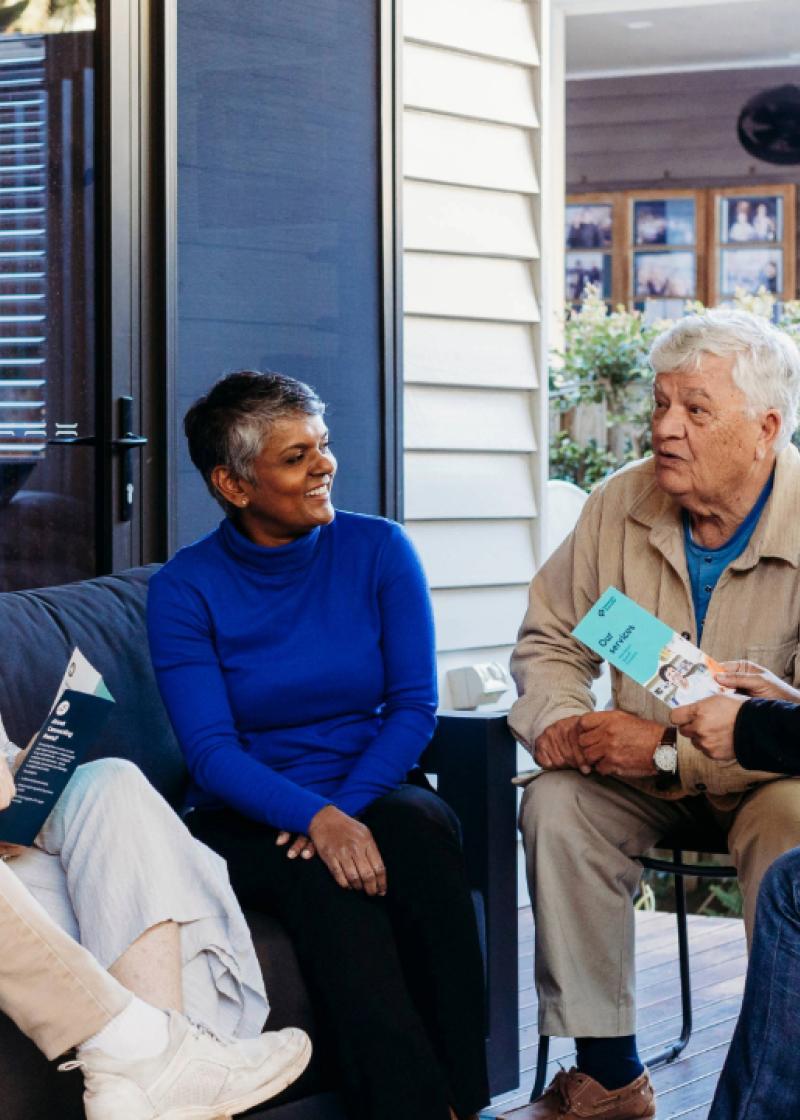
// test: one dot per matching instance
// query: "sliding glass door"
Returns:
(185, 188)
(70, 435)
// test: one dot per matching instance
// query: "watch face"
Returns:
(666, 758)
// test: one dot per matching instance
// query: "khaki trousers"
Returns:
(581, 836)
(53, 989)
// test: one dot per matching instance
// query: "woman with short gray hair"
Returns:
(231, 424)
(294, 650)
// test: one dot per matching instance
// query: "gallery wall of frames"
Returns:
(653, 250)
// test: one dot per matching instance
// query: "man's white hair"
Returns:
(766, 364)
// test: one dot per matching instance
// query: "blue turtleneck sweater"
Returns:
(296, 676)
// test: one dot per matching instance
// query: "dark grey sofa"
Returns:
(473, 759)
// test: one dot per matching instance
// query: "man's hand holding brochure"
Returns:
(703, 695)
(79, 710)
(662, 661)
(710, 723)
(647, 650)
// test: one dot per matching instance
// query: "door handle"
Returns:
(129, 441)
(74, 441)
(126, 444)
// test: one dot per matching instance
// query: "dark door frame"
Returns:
(391, 178)
(129, 315)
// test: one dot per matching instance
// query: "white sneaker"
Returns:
(198, 1077)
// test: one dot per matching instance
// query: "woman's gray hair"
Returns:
(230, 425)
(766, 364)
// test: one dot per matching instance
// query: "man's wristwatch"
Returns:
(665, 756)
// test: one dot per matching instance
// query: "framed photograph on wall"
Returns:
(670, 275)
(751, 270)
(583, 269)
(589, 226)
(751, 218)
(753, 241)
(664, 261)
(664, 221)
(594, 246)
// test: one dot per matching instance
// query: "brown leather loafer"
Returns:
(575, 1096)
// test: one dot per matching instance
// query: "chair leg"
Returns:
(671, 1052)
(683, 957)
(541, 1066)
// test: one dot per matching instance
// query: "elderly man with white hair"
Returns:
(705, 534)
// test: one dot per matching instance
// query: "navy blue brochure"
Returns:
(65, 737)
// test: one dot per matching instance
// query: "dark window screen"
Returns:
(278, 219)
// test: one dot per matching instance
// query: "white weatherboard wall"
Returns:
(475, 413)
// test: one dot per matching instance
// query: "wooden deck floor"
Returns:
(718, 959)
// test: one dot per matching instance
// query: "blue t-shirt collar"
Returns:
(736, 544)
(706, 565)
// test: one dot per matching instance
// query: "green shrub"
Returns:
(581, 463)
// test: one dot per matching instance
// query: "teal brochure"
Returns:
(625, 635)
(647, 650)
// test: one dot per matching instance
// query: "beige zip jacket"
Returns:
(630, 536)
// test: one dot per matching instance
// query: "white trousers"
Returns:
(113, 860)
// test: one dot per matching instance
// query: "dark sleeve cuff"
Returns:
(766, 736)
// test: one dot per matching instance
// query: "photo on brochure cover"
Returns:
(685, 674)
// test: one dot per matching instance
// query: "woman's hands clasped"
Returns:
(348, 850)
(710, 723)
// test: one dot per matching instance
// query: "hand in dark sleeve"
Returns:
(767, 736)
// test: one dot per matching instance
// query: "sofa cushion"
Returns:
(105, 618)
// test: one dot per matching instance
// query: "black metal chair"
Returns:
(710, 841)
